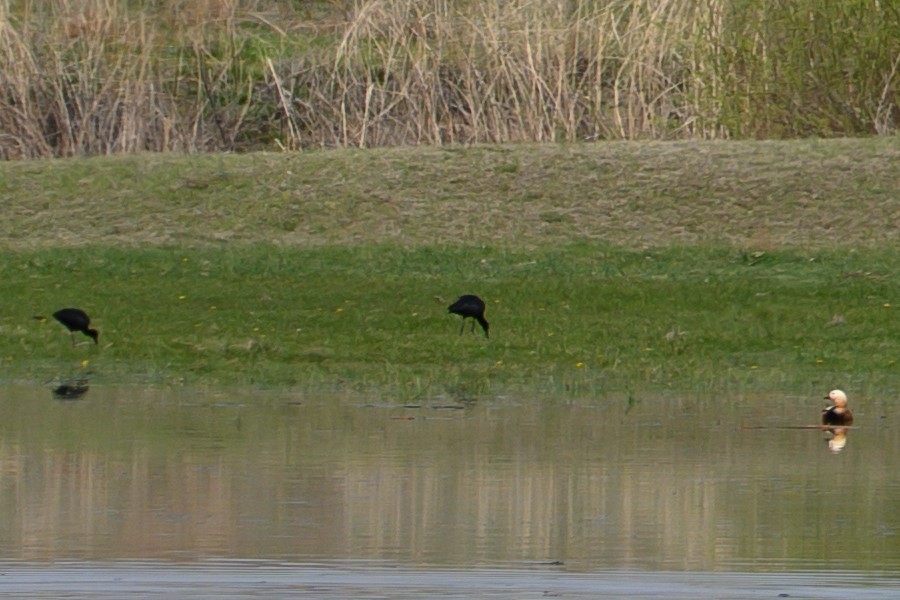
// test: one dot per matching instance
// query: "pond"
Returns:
(181, 492)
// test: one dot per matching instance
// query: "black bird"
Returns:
(470, 306)
(74, 320)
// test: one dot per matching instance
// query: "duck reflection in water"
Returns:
(837, 440)
(838, 418)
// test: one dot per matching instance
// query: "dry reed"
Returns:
(102, 77)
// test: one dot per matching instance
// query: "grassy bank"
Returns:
(605, 267)
(751, 195)
(581, 318)
(98, 77)
(578, 319)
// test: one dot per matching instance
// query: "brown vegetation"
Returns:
(759, 195)
(99, 77)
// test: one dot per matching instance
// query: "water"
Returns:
(246, 494)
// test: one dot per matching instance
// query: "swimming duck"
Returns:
(838, 413)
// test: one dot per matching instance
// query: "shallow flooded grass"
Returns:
(579, 318)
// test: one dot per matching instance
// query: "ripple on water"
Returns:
(259, 579)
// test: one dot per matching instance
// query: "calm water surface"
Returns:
(192, 494)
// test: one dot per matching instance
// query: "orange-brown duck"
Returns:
(837, 414)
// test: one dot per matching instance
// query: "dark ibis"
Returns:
(75, 320)
(470, 306)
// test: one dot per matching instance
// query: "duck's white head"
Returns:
(838, 398)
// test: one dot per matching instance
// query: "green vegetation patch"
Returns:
(571, 319)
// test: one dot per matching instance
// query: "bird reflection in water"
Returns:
(71, 389)
(837, 419)
(837, 440)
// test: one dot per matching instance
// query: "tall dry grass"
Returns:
(511, 71)
(106, 76)
(100, 77)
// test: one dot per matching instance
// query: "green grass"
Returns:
(704, 266)
(578, 319)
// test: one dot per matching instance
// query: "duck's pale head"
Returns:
(838, 398)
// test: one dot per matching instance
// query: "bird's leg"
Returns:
(462, 326)
(473, 326)
(72, 333)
